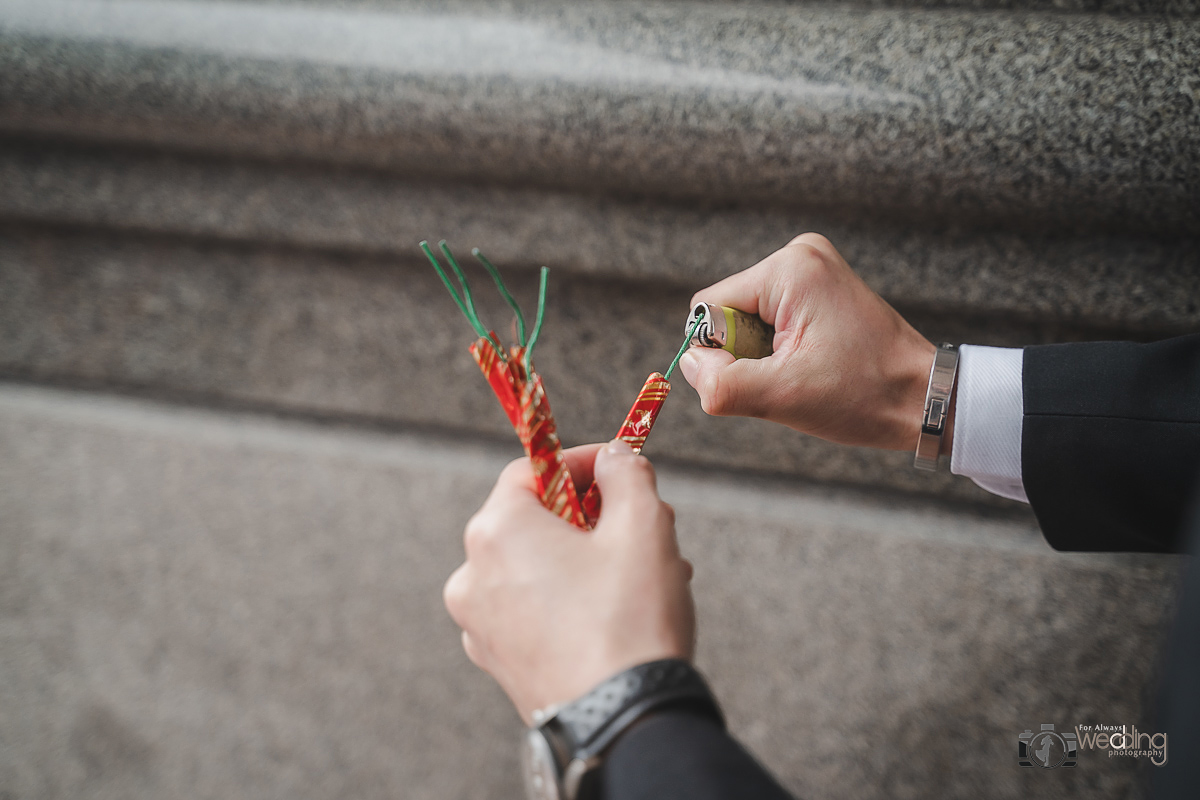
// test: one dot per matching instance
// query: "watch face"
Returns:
(538, 768)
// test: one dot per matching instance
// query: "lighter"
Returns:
(744, 335)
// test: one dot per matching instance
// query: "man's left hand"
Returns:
(550, 611)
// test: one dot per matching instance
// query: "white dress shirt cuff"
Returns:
(987, 419)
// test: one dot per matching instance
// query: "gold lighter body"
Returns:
(744, 335)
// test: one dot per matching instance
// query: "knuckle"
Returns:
(665, 522)
(720, 398)
(642, 465)
(642, 470)
(516, 468)
(454, 596)
(473, 651)
(710, 395)
(808, 259)
(480, 534)
(814, 242)
(714, 405)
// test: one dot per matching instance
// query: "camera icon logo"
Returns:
(1047, 748)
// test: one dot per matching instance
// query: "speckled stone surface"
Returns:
(1038, 120)
(218, 605)
(216, 204)
(1173, 8)
(377, 340)
(1119, 282)
(1170, 8)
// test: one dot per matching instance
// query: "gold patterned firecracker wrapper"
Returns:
(537, 432)
(499, 376)
(524, 402)
(634, 431)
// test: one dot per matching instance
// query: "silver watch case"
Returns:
(543, 776)
(937, 406)
(539, 767)
(565, 745)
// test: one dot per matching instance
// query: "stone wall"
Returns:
(239, 433)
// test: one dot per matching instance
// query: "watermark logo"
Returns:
(1124, 740)
(1050, 749)
(1047, 748)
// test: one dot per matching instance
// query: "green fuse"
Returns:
(744, 335)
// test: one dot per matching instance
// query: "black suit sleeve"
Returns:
(677, 755)
(1110, 444)
(1179, 701)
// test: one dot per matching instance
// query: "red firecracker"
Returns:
(524, 402)
(521, 394)
(634, 431)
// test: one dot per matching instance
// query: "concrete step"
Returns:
(1016, 118)
(220, 201)
(301, 289)
(1143, 285)
(215, 604)
(232, 589)
(1168, 8)
(373, 340)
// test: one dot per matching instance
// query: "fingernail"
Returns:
(619, 447)
(689, 365)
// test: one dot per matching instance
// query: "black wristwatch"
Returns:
(567, 744)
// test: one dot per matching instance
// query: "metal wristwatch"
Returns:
(567, 744)
(937, 406)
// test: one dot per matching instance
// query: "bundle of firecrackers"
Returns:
(518, 387)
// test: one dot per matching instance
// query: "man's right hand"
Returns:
(846, 366)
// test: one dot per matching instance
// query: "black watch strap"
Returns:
(592, 722)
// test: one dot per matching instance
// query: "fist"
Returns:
(550, 611)
(846, 366)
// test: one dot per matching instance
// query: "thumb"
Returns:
(728, 387)
(627, 485)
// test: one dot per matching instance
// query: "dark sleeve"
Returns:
(1110, 444)
(1179, 700)
(676, 755)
